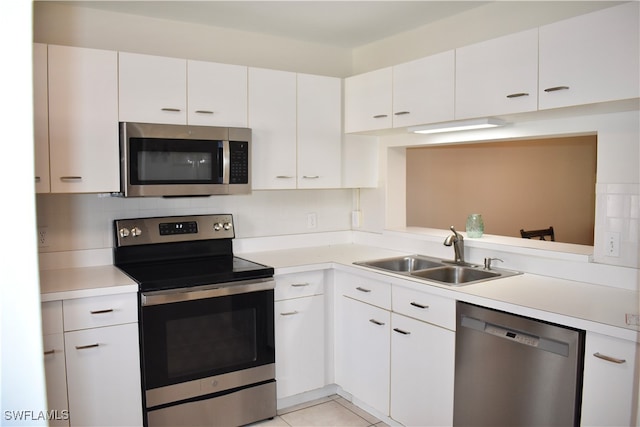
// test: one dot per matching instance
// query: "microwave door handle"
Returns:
(224, 150)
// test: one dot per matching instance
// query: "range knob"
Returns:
(124, 232)
(227, 226)
(217, 226)
(135, 232)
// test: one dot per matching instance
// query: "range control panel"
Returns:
(144, 231)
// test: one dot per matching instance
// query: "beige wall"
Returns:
(528, 184)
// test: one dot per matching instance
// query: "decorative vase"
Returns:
(475, 225)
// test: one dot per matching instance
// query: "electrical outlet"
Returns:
(43, 238)
(612, 242)
(632, 319)
(312, 220)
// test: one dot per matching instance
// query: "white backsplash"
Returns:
(84, 221)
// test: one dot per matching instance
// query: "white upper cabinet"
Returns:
(319, 124)
(153, 89)
(41, 118)
(368, 101)
(498, 76)
(272, 119)
(83, 120)
(423, 90)
(216, 94)
(590, 58)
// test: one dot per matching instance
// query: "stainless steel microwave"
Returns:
(183, 160)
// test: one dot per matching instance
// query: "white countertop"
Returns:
(592, 307)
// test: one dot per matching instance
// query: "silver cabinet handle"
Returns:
(108, 310)
(311, 176)
(289, 313)
(70, 178)
(609, 358)
(380, 116)
(400, 331)
(376, 322)
(84, 347)
(284, 177)
(363, 289)
(401, 113)
(517, 95)
(556, 88)
(171, 110)
(299, 285)
(415, 304)
(48, 352)
(204, 112)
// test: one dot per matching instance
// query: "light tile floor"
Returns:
(332, 411)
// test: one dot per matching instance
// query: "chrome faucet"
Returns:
(457, 241)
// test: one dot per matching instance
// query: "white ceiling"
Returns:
(346, 24)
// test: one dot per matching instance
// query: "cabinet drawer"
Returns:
(84, 313)
(299, 285)
(52, 317)
(367, 290)
(426, 307)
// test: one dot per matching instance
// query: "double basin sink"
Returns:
(437, 270)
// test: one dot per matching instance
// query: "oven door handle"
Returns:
(206, 291)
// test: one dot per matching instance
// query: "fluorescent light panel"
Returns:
(458, 125)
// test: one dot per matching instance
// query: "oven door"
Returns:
(206, 340)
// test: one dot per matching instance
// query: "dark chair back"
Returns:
(547, 232)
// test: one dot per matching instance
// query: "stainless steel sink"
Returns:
(437, 270)
(403, 264)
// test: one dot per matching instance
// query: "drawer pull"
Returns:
(517, 95)
(363, 289)
(400, 331)
(415, 304)
(171, 110)
(299, 285)
(204, 112)
(289, 313)
(402, 113)
(380, 116)
(556, 88)
(311, 176)
(285, 177)
(609, 358)
(108, 310)
(70, 178)
(84, 347)
(376, 322)
(49, 352)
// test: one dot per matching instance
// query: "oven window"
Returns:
(171, 161)
(209, 342)
(200, 338)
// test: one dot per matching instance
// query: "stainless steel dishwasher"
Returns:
(515, 371)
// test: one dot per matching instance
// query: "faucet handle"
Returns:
(458, 235)
(487, 262)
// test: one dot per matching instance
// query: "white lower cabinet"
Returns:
(609, 390)
(362, 365)
(422, 372)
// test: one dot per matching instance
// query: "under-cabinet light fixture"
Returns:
(458, 125)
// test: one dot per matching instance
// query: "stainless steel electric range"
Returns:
(206, 321)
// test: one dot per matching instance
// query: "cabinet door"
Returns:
(590, 58)
(368, 101)
(103, 376)
(216, 94)
(422, 373)
(363, 349)
(272, 119)
(423, 90)
(41, 118)
(319, 131)
(83, 120)
(300, 345)
(499, 76)
(609, 384)
(153, 89)
(56, 378)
